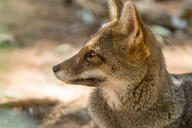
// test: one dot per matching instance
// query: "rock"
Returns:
(87, 16)
(13, 118)
(98, 8)
(179, 23)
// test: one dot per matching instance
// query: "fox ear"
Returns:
(132, 26)
(115, 7)
(130, 20)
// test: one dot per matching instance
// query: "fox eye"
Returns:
(92, 54)
(93, 57)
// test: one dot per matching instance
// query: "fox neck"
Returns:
(138, 97)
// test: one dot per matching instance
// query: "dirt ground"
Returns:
(46, 38)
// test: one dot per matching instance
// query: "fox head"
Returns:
(121, 51)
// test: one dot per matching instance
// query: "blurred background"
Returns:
(37, 34)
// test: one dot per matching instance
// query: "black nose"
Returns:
(56, 68)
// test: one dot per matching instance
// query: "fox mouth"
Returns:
(87, 81)
(91, 80)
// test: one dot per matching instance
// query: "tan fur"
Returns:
(133, 88)
(115, 8)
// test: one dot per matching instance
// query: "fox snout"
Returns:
(64, 70)
(56, 68)
(74, 71)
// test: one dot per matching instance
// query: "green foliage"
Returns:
(163, 31)
(5, 44)
(6, 40)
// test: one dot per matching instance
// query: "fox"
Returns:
(125, 64)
